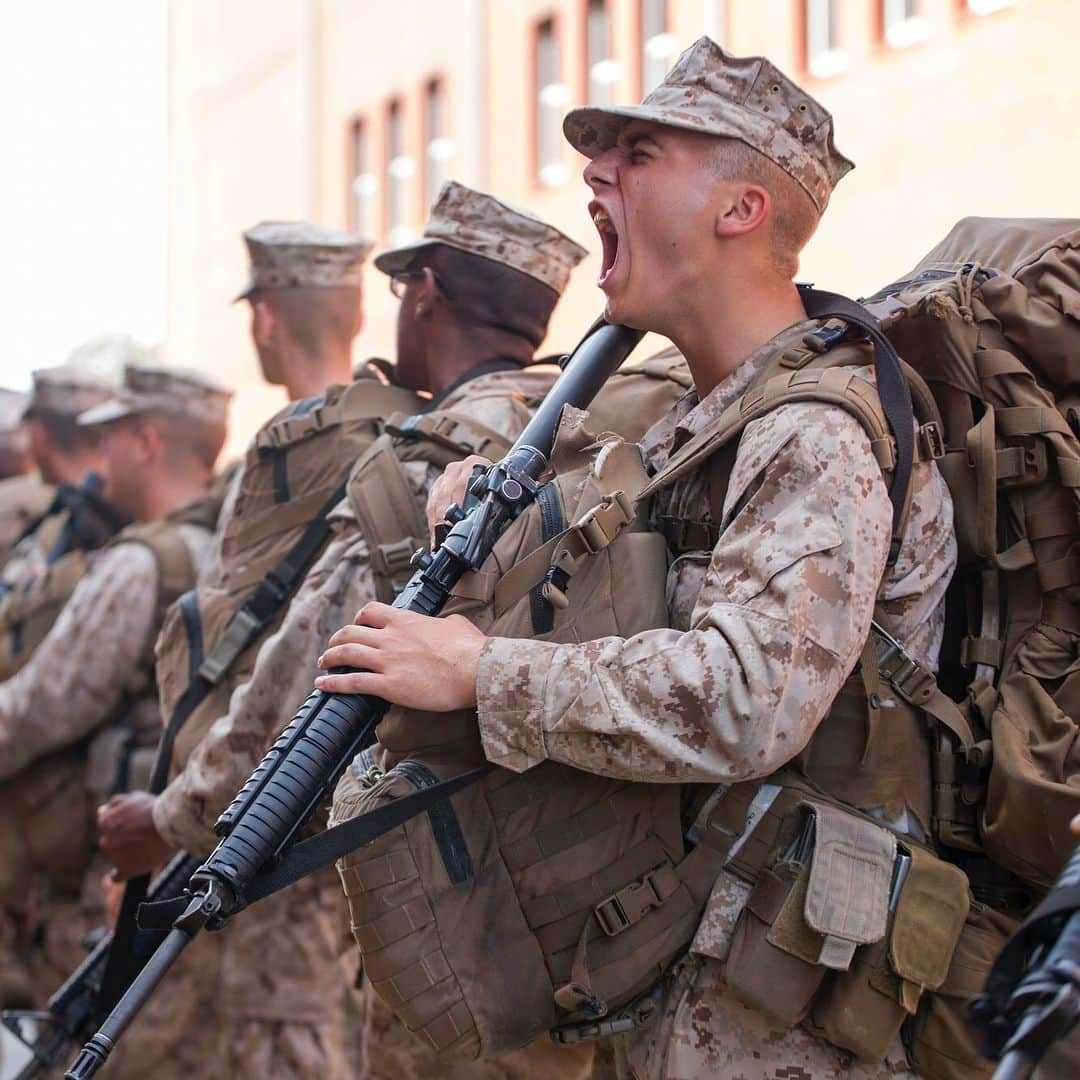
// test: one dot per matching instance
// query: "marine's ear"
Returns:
(263, 322)
(425, 293)
(741, 209)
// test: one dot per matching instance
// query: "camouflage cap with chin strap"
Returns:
(733, 97)
(154, 388)
(482, 225)
(297, 254)
(67, 390)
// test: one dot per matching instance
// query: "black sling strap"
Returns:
(311, 855)
(893, 392)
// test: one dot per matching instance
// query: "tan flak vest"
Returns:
(22, 500)
(48, 813)
(496, 871)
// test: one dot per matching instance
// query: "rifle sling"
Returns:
(311, 855)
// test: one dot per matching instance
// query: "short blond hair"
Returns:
(794, 217)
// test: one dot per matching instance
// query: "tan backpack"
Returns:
(48, 810)
(275, 525)
(991, 320)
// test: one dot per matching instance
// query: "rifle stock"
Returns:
(303, 765)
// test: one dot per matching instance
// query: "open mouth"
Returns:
(609, 238)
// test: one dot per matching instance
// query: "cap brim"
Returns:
(395, 260)
(104, 413)
(249, 288)
(592, 131)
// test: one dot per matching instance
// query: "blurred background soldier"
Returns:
(476, 294)
(23, 495)
(67, 458)
(78, 721)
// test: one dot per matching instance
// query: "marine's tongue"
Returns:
(609, 238)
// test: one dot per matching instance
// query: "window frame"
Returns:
(359, 134)
(831, 61)
(548, 171)
(434, 83)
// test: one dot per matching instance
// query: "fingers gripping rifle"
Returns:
(77, 1007)
(300, 770)
(1032, 995)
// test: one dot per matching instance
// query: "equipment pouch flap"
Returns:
(930, 914)
(106, 750)
(847, 895)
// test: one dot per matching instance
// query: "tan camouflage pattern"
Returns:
(734, 97)
(392, 1052)
(22, 499)
(30, 555)
(765, 629)
(154, 388)
(67, 390)
(210, 773)
(483, 225)
(298, 254)
(79, 674)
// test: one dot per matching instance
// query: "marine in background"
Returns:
(476, 293)
(23, 494)
(80, 718)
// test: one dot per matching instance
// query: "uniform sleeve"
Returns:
(331, 594)
(77, 675)
(778, 625)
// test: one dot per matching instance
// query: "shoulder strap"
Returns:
(175, 566)
(883, 412)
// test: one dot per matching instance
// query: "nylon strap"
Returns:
(893, 392)
(317, 852)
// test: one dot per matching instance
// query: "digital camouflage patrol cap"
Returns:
(733, 97)
(482, 225)
(154, 388)
(297, 254)
(67, 390)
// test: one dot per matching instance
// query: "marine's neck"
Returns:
(169, 493)
(308, 375)
(719, 330)
(459, 349)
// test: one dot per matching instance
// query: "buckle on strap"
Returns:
(233, 641)
(913, 682)
(631, 903)
(600, 525)
(931, 441)
(636, 1014)
(392, 560)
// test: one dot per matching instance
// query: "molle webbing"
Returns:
(381, 495)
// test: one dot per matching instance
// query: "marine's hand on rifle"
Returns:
(449, 490)
(408, 659)
(128, 837)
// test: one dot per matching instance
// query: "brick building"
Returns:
(353, 112)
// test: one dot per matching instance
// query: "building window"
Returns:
(602, 71)
(988, 7)
(901, 23)
(438, 146)
(824, 57)
(363, 183)
(552, 97)
(658, 44)
(399, 172)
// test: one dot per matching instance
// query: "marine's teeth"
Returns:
(601, 220)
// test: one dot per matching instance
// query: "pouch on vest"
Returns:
(865, 1006)
(940, 1040)
(826, 894)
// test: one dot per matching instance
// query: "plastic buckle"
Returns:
(932, 441)
(391, 560)
(624, 908)
(229, 646)
(600, 525)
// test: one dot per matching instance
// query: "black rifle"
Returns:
(1032, 995)
(257, 855)
(77, 1007)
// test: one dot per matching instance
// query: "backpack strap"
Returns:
(381, 495)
